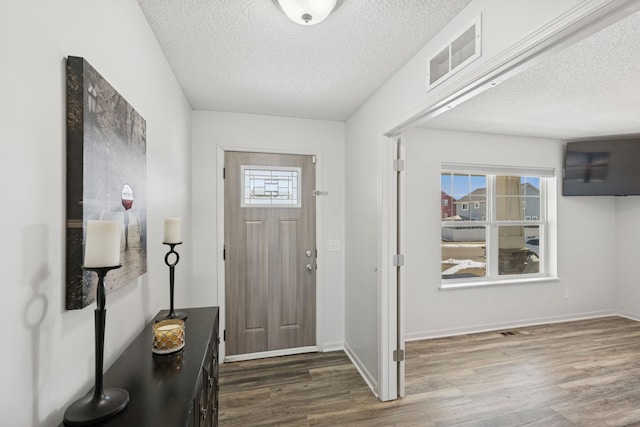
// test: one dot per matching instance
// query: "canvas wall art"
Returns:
(106, 178)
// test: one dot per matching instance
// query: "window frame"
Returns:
(492, 225)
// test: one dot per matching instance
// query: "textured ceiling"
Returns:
(591, 88)
(247, 56)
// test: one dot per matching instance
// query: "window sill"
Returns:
(497, 282)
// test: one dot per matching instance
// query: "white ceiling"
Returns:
(247, 56)
(591, 88)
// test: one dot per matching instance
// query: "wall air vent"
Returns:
(459, 52)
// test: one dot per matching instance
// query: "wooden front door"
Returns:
(270, 247)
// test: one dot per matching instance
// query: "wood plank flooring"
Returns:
(583, 373)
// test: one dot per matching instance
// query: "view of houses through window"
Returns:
(492, 225)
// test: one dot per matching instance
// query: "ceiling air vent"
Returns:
(463, 49)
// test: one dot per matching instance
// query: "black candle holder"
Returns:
(101, 404)
(172, 313)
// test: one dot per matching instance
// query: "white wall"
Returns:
(627, 251)
(47, 359)
(586, 260)
(361, 248)
(248, 132)
(504, 23)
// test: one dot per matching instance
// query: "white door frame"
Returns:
(580, 21)
(390, 276)
(221, 282)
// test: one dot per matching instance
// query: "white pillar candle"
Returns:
(173, 230)
(102, 246)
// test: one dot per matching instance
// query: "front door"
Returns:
(270, 247)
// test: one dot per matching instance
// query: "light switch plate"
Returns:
(334, 245)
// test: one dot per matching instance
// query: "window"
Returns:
(270, 186)
(445, 202)
(503, 237)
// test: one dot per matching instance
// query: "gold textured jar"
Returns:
(168, 336)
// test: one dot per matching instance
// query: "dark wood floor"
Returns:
(584, 373)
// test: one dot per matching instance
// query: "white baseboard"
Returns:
(628, 315)
(364, 372)
(489, 327)
(332, 346)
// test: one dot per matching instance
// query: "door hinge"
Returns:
(398, 165)
(398, 355)
(224, 173)
(224, 335)
(224, 252)
(320, 193)
(313, 159)
(398, 260)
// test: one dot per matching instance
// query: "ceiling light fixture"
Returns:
(307, 12)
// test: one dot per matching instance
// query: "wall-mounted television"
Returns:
(607, 167)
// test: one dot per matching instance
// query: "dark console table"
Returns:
(170, 390)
